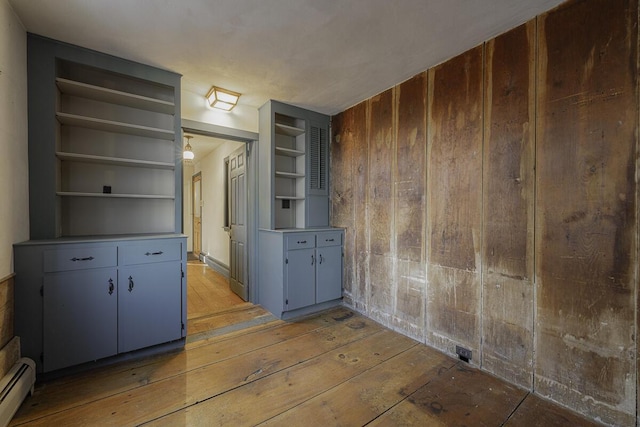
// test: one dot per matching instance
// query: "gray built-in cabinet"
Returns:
(104, 271)
(300, 256)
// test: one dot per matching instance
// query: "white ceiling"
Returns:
(326, 55)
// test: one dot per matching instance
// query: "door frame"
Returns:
(197, 175)
(250, 139)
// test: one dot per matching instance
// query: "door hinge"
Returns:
(42, 291)
(182, 326)
(286, 302)
(181, 272)
(41, 357)
(286, 261)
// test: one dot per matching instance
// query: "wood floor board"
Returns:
(263, 399)
(459, 396)
(364, 397)
(537, 412)
(214, 321)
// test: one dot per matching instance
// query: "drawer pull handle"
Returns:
(302, 242)
(130, 283)
(320, 258)
(154, 253)
(74, 259)
(312, 260)
(111, 287)
(329, 240)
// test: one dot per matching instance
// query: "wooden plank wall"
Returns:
(491, 202)
(9, 346)
(508, 183)
(586, 206)
(454, 195)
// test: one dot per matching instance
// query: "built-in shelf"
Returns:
(111, 96)
(280, 151)
(114, 195)
(289, 198)
(289, 175)
(288, 130)
(88, 158)
(111, 126)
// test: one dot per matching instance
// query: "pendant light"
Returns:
(187, 154)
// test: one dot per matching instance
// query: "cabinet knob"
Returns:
(130, 283)
(111, 287)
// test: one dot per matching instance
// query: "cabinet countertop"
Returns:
(99, 239)
(301, 230)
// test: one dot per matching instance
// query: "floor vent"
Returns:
(14, 388)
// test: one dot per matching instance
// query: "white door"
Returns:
(238, 222)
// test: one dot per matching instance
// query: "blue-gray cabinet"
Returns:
(300, 270)
(80, 317)
(79, 300)
(104, 271)
(294, 167)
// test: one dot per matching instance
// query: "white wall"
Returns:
(14, 179)
(215, 240)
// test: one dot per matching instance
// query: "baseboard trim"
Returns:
(217, 265)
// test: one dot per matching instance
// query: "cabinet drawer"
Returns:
(300, 241)
(80, 258)
(329, 238)
(151, 251)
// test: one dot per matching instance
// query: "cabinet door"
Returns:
(149, 305)
(80, 317)
(300, 278)
(328, 273)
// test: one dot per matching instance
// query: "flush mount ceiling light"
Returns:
(187, 154)
(222, 99)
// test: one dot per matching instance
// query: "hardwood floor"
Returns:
(240, 366)
(207, 291)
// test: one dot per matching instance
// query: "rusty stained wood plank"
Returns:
(381, 153)
(360, 182)
(586, 208)
(381, 291)
(411, 152)
(410, 206)
(508, 189)
(454, 200)
(457, 397)
(342, 193)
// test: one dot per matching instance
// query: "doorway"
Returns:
(215, 224)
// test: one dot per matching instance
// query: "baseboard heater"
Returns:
(14, 387)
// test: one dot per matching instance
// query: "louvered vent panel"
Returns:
(315, 159)
(323, 159)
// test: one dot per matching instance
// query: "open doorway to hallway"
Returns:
(207, 225)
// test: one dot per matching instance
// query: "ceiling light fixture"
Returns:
(222, 99)
(187, 154)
